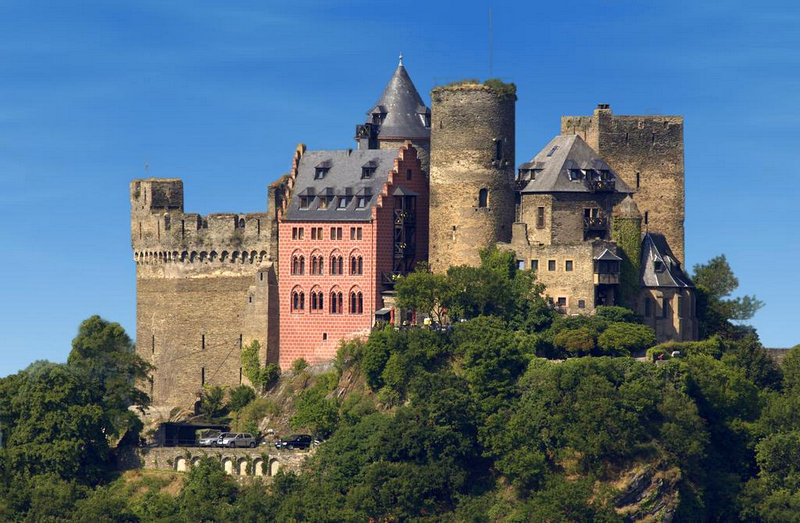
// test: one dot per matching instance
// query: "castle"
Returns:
(598, 214)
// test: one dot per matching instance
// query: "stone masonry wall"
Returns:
(472, 148)
(204, 288)
(647, 153)
(575, 285)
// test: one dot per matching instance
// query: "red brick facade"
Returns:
(314, 334)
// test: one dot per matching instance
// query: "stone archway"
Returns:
(274, 467)
(258, 467)
(241, 467)
(227, 465)
(180, 464)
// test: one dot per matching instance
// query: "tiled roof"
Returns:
(342, 178)
(660, 268)
(563, 164)
(406, 116)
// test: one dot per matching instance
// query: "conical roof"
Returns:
(400, 111)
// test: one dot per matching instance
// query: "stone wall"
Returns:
(204, 288)
(472, 148)
(261, 461)
(671, 312)
(647, 153)
(576, 286)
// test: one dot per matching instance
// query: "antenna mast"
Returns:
(491, 44)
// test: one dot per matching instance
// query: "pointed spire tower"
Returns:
(399, 115)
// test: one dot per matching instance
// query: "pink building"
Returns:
(351, 220)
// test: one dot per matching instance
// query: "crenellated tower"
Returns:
(472, 170)
(205, 287)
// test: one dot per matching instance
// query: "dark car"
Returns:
(297, 441)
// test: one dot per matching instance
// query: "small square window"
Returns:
(581, 304)
(562, 301)
(568, 265)
(534, 265)
(521, 265)
(551, 265)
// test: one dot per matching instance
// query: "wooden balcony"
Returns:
(600, 185)
(606, 279)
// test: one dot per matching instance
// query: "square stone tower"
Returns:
(647, 153)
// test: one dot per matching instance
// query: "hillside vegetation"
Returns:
(514, 414)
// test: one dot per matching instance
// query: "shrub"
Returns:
(617, 314)
(624, 338)
(575, 342)
(251, 415)
(298, 365)
(240, 396)
(659, 352)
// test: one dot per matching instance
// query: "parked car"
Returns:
(209, 439)
(296, 441)
(236, 439)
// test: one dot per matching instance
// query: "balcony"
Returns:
(595, 223)
(606, 279)
(600, 185)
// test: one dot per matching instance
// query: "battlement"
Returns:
(162, 233)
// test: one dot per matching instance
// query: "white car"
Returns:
(236, 439)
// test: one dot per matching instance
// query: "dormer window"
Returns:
(575, 175)
(344, 201)
(658, 266)
(368, 170)
(321, 170)
(364, 196)
(305, 201)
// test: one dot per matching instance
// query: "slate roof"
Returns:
(342, 179)
(562, 154)
(404, 109)
(660, 268)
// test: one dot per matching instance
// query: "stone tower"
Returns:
(400, 115)
(626, 230)
(647, 153)
(205, 287)
(472, 171)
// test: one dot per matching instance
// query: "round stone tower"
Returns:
(471, 171)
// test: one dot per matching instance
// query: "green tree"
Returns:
(423, 291)
(103, 354)
(715, 283)
(208, 492)
(212, 402)
(575, 342)
(239, 397)
(621, 339)
(261, 377)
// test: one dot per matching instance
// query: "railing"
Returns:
(401, 217)
(600, 185)
(595, 223)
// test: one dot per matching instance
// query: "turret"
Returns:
(400, 115)
(626, 231)
(472, 170)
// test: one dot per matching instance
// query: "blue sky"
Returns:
(220, 93)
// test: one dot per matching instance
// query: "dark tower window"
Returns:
(498, 150)
(638, 180)
(540, 217)
(483, 197)
(408, 174)
(646, 217)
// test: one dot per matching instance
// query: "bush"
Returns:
(298, 365)
(251, 415)
(617, 314)
(575, 342)
(621, 339)
(659, 352)
(239, 397)
(710, 347)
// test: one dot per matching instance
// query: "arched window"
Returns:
(313, 265)
(319, 266)
(356, 302)
(483, 198)
(313, 301)
(352, 265)
(320, 302)
(302, 265)
(360, 265)
(337, 265)
(337, 306)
